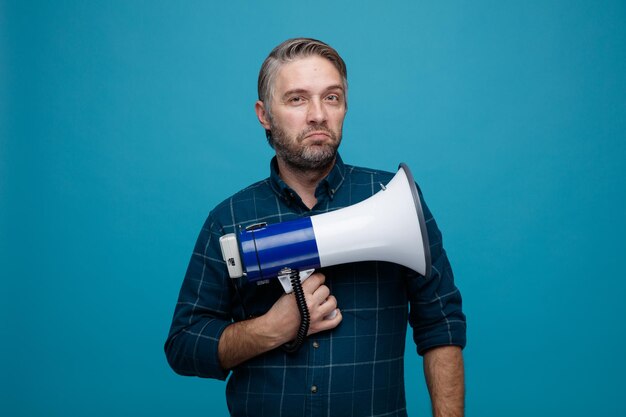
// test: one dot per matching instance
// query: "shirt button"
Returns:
(316, 344)
(314, 389)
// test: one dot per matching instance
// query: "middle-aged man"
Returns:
(352, 363)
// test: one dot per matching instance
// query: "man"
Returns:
(352, 363)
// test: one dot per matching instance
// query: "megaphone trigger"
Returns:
(285, 280)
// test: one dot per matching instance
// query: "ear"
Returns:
(262, 114)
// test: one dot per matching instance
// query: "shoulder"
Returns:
(242, 205)
(259, 188)
(361, 174)
(357, 183)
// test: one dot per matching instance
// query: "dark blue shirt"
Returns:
(356, 369)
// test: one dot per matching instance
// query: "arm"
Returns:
(436, 312)
(203, 341)
(246, 339)
(438, 323)
(203, 309)
(443, 369)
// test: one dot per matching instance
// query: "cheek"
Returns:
(292, 120)
(338, 118)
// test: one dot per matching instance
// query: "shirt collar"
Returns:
(327, 187)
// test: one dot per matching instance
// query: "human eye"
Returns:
(295, 100)
(333, 98)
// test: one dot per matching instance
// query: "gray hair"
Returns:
(289, 51)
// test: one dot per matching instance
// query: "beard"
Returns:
(305, 157)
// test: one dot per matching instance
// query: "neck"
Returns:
(303, 182)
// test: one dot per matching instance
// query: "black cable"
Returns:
(305, 318)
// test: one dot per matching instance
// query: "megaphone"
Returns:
(389, 226)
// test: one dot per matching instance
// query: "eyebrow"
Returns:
(302, 90)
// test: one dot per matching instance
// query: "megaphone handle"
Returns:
(296, 286)
(286, 283)
(285, 279)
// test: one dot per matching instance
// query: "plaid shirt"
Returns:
(356, 369)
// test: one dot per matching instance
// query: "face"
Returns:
(308, 107)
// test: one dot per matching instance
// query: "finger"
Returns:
(335, 319)
(313, 282)
(321, 294)
(331, 315)
(319, 312)
(329, 323)
(328, 306)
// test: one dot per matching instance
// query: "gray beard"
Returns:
(305, 158)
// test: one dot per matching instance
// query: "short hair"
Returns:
(290, 50)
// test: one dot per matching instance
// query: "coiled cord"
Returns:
(305, 318)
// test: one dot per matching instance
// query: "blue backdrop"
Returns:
(122, 123)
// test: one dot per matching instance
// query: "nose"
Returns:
(316, 112)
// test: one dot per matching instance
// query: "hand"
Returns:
(284, 317)
(246, 339)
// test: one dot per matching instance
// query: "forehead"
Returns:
(311, 73)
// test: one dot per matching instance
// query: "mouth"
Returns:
(318, 135)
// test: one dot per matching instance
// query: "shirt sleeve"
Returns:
(436, 314)
(203, 310)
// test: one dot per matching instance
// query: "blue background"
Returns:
(122, 123)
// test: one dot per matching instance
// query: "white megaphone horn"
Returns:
(389, 226)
